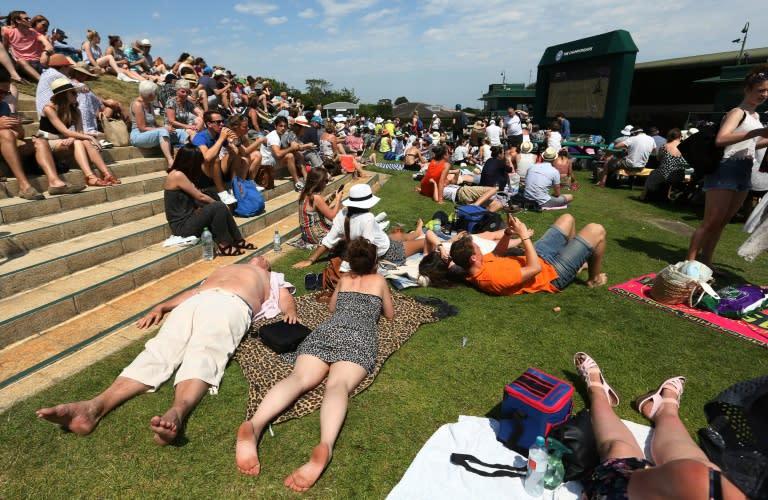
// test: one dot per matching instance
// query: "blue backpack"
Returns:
(249, 199)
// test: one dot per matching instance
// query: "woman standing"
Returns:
(741, 133)
(189, 210)
(343, 349)
(144, 132)
(315, 213)
(62, 125)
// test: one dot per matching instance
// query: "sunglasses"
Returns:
(217, 122)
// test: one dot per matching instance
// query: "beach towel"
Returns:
(263, 368)
(753, 328)
(389, 165)
(432, 475)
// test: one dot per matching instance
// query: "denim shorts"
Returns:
(566, 257)
(150, 138)
(733, 175)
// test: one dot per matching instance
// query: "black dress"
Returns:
(184, 221)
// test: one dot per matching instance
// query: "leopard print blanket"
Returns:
(263, 368)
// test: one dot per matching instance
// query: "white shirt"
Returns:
(493, 132)
(513, 125)
(460, 153)
(364, 225)
(273, 139)
(449, 192)
(639, 149)
(555, 140)
(44, 92)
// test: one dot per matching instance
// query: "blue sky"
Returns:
(435, 51)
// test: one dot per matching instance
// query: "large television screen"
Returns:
(578, 91)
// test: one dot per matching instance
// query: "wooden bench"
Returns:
(633, 175)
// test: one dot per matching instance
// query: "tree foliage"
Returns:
(401, 100)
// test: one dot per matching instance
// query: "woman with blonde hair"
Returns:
(61, 123)
(93, 55)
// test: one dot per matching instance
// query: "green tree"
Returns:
(401, 100)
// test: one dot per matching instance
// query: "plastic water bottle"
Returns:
(207, 240)
(514, 183)
(276, 243)
(537, 466)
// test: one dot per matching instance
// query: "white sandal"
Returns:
(675, 384)
(584, 363)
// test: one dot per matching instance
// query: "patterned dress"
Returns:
(350, 334)
(314, 225)
(671, 170)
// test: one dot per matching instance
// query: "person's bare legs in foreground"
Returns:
(343, 377)
(594, 234)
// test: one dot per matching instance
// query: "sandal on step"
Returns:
(675, 384)
(245, 245)
(230, 251)
(112, 179)
(92, 180)
(584, 363)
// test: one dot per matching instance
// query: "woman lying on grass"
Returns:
(343, 349)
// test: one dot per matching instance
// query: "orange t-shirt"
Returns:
(434, 171)
(503, 276)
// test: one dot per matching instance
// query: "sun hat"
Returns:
(301, 120)
(169, 77)
(191, 77)
(60, 60)
(352, 129)
(60, 85)
(340, 127)
(627, 130)
(378, 120)
(479, 125)
(549, 154)
(145, 43)
(218, 72)
(361, 196)
(526, 147)
(435, 137)
(82, 67)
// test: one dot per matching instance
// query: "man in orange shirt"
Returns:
(548, 266)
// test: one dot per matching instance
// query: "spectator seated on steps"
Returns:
(30, 49)
(144, 130)
(60, 46)
(14, 148)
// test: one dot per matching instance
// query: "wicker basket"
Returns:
(673, 287)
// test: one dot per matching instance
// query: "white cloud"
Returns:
(308, 13)
(375, 16)
(226, 20)
(332, 8)
(275, 20)
(255, 8)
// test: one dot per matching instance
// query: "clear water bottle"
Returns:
(514, 183)
(276, 243)
(207, 240)
(537, 466)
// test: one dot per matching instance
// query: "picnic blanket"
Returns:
(432, 475)
(263, 368)
(753, 328)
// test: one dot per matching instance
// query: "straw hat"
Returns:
(82, 67)
(549, 154)
(479, 125)
(361, 196)
(627, 130)
(61, 85)
(526, 147)
(340, 127)
(301, 120)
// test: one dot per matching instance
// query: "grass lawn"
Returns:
(430, 381)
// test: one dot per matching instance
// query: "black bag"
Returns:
(579, 436)
(737, 437)
(699, 150)
(283, 337)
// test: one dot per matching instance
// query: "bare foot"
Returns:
(80, 418)
(246, 455)
(419, 225)
(307, 475)
(166, 428)
(599, 280)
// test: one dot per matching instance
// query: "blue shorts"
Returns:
(732, 175)
(566, 257)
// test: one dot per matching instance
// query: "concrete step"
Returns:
(56, 282)
(138, 176)
(18, 238)
(26, 103)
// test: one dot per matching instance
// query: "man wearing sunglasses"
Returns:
(30, 49)
(220, 150)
